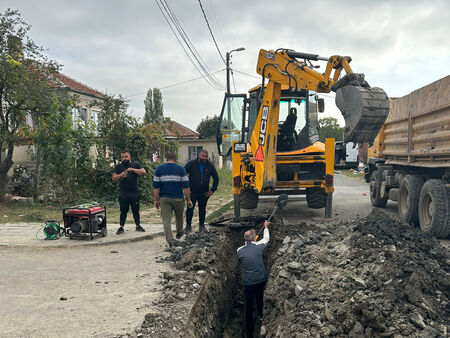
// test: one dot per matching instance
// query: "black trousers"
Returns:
(252, 292)
(202, 201)
(125, 200)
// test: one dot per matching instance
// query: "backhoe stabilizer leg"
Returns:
(364, 109)
(328, 205)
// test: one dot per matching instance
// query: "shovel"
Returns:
(280, 203)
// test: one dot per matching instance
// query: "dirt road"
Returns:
(78, 291)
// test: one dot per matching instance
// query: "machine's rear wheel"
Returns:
(375, 198)
(104, 232)
(248, 199)
(434, 209)
(408, 199)
(316, 198)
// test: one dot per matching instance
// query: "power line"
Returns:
(186, 44)
(256, 77)
(177, 84)
(210, 30)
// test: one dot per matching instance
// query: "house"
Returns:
(191, 144)
(86, 99)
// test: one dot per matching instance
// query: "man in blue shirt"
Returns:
(169, 181)
(254, 274)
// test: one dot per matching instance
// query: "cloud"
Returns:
(127, 47)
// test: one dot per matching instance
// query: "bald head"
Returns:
(250, 235)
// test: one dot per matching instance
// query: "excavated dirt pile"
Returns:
(377, 277)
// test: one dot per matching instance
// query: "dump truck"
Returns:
(409, 162)
(271, 134)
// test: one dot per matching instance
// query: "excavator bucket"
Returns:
(365, 110)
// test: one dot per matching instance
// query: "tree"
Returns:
(208, 126)
(26, 85)
(154, 107)
(113, 126)
(329, 127)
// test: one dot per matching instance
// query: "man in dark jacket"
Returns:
(200, 172)
(127, 173)
(254, 274)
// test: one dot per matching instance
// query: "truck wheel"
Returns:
(408, 199)
(434, 209)
(316, 198)
(248, 199)
(375, 198)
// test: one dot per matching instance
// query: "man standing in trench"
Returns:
(127, 172)
(254, 275)
(200, 171)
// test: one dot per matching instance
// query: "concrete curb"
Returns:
(74, 244)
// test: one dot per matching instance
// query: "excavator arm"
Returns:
(364, 109)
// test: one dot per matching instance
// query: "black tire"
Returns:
(408, 199)
(248, 199)
(375, 198)
(434, 209)
(104, 232)
(316, 198)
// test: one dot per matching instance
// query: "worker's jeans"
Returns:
(127, 198)
(250, 293)
(168, 205)
(202, 201)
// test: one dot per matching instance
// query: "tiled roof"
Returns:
(178, 130)
(78, 86)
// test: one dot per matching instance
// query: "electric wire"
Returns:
(177, 84)
(192, 48)
(210, 31)
(184, 40)
(244, 73)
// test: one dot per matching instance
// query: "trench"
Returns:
(219, 308)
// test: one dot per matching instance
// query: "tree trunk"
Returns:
(36, 174)
(5, 165)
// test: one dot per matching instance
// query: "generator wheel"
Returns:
(104, 232)
(248, 199)
(408, 199)
(316, 198)
(375, 198)
(434, 208)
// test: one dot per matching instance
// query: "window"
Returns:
(79, 115)
(94, 117)
(194, 151)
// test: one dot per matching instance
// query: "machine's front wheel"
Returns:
(248, 199)
(316, 198)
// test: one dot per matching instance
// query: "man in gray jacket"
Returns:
(254, 274)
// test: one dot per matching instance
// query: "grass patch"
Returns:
(39, 212)
(353, 174)
(219, 212)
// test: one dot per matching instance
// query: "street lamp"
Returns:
(228, 65)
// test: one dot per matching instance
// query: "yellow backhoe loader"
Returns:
(272, 133)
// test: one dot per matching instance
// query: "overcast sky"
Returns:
(127, 47)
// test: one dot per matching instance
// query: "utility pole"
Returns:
(227, 59)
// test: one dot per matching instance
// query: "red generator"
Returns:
(85, 220)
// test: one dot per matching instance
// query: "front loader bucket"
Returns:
(364, 109)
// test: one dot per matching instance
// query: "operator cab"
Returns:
(298, 119)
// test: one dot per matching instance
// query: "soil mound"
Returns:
(377, 277)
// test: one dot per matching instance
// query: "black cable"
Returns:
(177, 84)
(192, 48)
(200, 64)
(210, 30)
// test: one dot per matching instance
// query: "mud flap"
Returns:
(364, 109)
